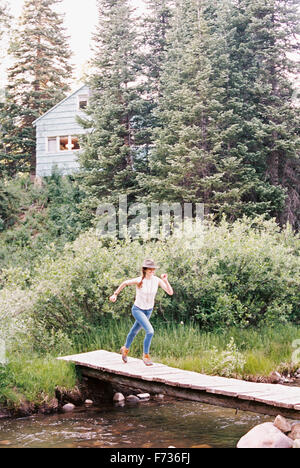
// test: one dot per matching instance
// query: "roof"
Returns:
(58, 104)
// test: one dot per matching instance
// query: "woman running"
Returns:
(146, 289)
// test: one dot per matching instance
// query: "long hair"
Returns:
(144, 270)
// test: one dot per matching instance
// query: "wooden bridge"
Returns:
(270, 399)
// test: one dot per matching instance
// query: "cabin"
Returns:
(57, 132)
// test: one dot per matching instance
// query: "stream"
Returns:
(178, 423)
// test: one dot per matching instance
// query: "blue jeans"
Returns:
(142, 321)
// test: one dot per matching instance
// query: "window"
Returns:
(52, 145)
(63, 143)
(83, 100)
(75, 143)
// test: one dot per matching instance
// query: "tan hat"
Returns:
(149, 264)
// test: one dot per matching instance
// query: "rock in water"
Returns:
(132, 399)
(144, 396)
(282, 424)
(118, 397)
(296, 443)
(265, 435)
(295, 433)
(275, 377)
(68, 408)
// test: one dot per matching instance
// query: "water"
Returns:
(182, 424)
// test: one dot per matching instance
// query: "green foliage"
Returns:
(9, 205)
(204, 114)
(232, 351)
(33, 379)
(263, 122)
(39, 220)
(244, 274)
(228, 362)
(220, 133)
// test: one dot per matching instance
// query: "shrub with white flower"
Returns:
(228, 363)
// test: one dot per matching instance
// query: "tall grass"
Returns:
(186, 346)
(33, 379)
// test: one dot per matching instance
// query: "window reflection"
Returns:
(64, 143)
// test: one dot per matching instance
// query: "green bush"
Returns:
(228, 362)
(9, 204)
(242, 274)
(33, 217)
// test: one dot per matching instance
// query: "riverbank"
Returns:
(30, 383)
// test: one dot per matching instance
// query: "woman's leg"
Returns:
(149, 332)
(132, 334)
(142, 321)
(142, 318)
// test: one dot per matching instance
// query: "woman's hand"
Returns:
(164, 283)
(113, 298)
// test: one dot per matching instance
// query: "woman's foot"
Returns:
(147, 360)
(124, 351)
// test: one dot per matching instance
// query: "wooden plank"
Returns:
(271, 398)
(228, 392)
(234, 389)
(274, 402)
(246, 394)
(196, 384)
(106, 363)
(287, 398)
(173, 379)
(228, 389)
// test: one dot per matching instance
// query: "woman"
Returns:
(146, 289)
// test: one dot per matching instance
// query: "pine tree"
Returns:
(37, 81)
(180, 154)
(4, 17)
(156, 28)
(264, 130)
(200, 154)
(186, 161)
(276, 27)
(115, 152)
(4, 27)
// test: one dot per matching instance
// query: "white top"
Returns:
(145, 295)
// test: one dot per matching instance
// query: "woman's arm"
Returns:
(164, 283)
(130, 282)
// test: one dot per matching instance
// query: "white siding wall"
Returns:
(60, 121)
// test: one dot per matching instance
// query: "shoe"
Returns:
(147, 360)
(124, 351)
